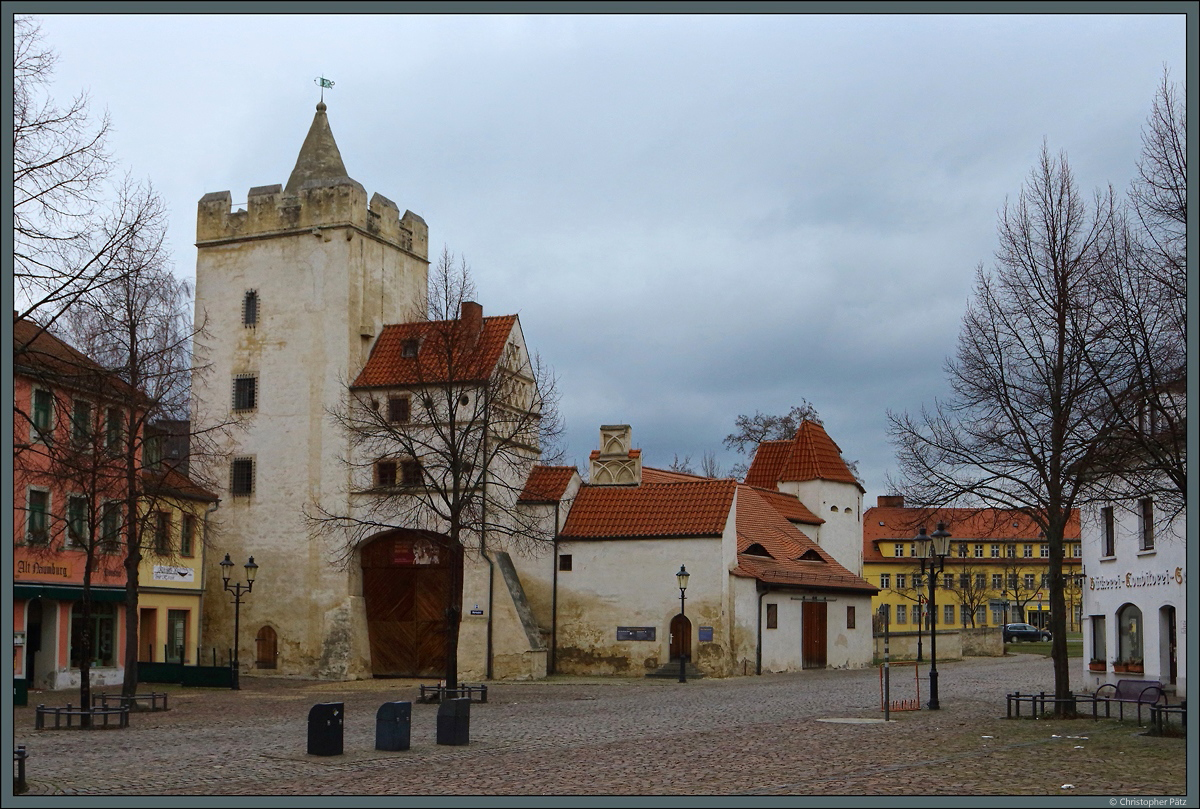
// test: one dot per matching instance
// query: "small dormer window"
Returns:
(756, 549)
(250, 309)
(408, 348)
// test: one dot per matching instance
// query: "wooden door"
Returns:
(681, 637)
(266, 644)
(147, 635)
(407, 585)
(813, 637)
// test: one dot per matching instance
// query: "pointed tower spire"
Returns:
(319, 162)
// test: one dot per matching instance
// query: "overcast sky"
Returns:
(694, 216)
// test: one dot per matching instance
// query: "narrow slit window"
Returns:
(250, 309)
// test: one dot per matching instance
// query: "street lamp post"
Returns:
(682, 577)
(933, 550)
(238, 590)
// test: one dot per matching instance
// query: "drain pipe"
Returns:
(203, 581)
(762, 593)
(483, 532)
(554, 599)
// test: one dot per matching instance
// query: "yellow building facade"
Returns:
(997, 571)
(171, 574)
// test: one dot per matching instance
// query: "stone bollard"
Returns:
(393, 726)
(454, 721)
(325, 729)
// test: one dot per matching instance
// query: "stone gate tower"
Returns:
(291, 291)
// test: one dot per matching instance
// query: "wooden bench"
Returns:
(153, 699)
(1132, 692)
(437, 693)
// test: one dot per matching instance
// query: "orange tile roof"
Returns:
(652, 475)
(809, 455)
(900, 524)
(768, 462)
(171, 482)
(445, 353)
(792, 553)
(693, 509)
(547, 484)
(789, 506)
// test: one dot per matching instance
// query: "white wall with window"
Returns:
(1134, 593)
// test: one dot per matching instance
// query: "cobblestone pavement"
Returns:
(767, 736)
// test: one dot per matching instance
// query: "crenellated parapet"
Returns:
(270, 211)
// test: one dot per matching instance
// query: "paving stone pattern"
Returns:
(582, 736)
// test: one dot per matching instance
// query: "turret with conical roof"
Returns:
(319, 194)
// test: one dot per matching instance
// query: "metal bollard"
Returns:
(454, 721)
(393, 726)
(325, 729)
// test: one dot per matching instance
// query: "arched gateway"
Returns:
(408, 582)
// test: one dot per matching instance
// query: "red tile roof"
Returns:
(547, 484)
(794, 558)
(810, 455)
(652, 475)
(789, 506)
(768, 462)
(445, 353)
(651, 510)
(888, 523)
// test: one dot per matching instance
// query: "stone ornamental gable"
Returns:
(615, 464)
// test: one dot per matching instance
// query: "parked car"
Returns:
(1024, 632)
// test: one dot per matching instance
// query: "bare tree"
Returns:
(69, 225)
(1142, 358)
(453, 459)
(74, 448)
(750, 431)
(971, 585)
(138, 326)
(1027, 419)
(683, 465)
(710, 467)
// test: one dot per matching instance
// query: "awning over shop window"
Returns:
(59, 592)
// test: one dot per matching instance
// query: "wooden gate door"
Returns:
(681, 637)
(407, 581)
(813, 635)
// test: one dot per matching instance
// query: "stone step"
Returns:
(671, 670)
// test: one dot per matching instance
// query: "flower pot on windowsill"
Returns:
(1097, 665)
(1135, 668)
(1120, 668)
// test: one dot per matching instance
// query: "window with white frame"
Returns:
(962, 550)
(77, 521)
(948, 581)
(1147, 524)
(997, 581)
(898, 549)
(901, 583)
(42, 416)
(995, 551)
(37, 516)
(1030, 581)
(978, 551)
(885, 581)
(1044, 550)
(187, 535)
(948, 614)
(1010, 550)
(1028, 551)
(902, 613)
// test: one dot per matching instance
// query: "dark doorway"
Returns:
(147, 634)
(33, 638)
(813, 638)
(1168, 628)
(681, 637)
(407, 583)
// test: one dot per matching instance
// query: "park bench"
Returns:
(437, 693)
(122, 715)
(152, 699)
(1132, 692)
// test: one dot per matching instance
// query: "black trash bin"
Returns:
(454, 721)
(393, 726)
(325, 729)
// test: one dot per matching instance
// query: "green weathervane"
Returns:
(323, 82)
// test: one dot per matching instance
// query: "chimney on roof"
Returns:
(616, 463)
(891, 501)
(471, 317)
